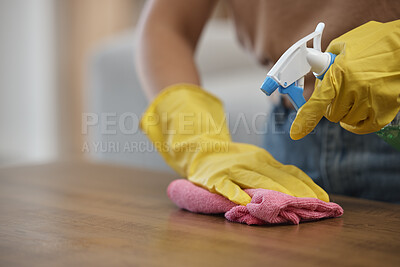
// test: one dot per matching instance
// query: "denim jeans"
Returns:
(339, 161)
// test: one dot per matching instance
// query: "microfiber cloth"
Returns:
(266, 207)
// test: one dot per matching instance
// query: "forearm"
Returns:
(167, 42)
(166, 62)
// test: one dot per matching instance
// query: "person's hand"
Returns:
(188, 127)
(237, 166)
(361, 89)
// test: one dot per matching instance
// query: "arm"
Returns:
(169, 31)
(187, 124)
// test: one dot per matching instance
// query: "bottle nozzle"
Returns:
(318, 61)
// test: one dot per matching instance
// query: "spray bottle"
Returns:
(288, 73)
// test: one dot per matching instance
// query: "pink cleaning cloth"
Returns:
(196, 199)
(266, 207)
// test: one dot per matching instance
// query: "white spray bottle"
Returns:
(289, 71)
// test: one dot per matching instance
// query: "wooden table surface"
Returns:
(64, 214)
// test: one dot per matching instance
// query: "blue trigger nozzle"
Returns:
(294, 92)
(269, 86)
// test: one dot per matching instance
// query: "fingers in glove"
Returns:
(231, 190)
(296, 172)
(271, 178)
(251, 179)
(309, 115)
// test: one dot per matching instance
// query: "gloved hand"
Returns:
(188, 127)
(361, 89)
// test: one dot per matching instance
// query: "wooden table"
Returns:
(64, 214)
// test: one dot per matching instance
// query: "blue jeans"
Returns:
(341, 162)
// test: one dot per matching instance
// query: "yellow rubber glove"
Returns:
(188, 127)
(361, 89)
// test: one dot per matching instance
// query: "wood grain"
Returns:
(89, 214)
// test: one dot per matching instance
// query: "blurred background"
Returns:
(68, 81)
